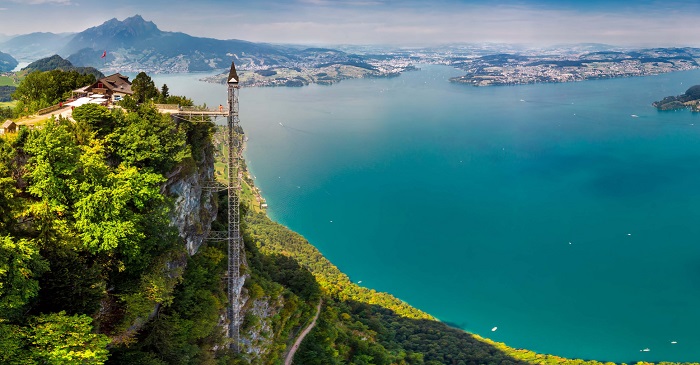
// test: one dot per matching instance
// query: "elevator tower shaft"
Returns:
(234, 239)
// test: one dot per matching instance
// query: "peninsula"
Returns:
(310, 73)
(689, 99)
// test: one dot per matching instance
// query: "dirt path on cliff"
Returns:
(290, 355)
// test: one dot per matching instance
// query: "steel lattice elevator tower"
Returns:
(234, 222)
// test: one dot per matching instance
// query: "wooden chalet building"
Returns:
(113, 88)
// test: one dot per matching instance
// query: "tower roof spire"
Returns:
(232, 75)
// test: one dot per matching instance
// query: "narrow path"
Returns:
(290, 355)
(65, 112)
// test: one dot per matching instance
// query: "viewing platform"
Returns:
(193, 113)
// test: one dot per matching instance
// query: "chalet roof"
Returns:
(8, 123)
(116, 83)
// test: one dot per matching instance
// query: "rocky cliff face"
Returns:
(195, 205)
(261, 324)
(194, 210)
(256, 339)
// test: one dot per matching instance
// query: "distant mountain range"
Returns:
(134, 45)
(33, 46)
(7, 62)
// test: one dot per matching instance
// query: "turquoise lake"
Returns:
(567, 215)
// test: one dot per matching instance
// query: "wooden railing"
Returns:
(49, 109)
(175, 107)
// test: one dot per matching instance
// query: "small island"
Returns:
(689, 99)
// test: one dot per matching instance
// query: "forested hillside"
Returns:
(689, 99)
(57, 62)
(85, 236)
(92, 266)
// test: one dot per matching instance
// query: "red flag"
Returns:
(104, 54)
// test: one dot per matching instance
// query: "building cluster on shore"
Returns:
(524, 74)
(516, 69)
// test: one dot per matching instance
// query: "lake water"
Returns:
(565, 214)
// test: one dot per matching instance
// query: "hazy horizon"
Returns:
(380, 22)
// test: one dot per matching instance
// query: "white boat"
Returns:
(674, 342)
(634, 116)
(494, 329)
(645, 350)
(281, 124)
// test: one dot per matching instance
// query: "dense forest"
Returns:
(85, 238)
(6, 92)
(93, 269)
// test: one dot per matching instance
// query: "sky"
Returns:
(382, 22)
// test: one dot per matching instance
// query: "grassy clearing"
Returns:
(7, 81)
(220, 171)
(5, 104)
(249, 198)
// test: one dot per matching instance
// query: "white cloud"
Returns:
(479, 23)
(42, 2)
(341, 2)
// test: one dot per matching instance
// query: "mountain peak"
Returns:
(114, 34)
(137, 22)
(132, 27)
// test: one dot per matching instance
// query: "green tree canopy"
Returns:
(42, 89)
(53, 163)
(164, 92)
(13, 346)
(693, 92)
(150, 139)
(8, 190)
(94, 118)
(143, 87)
(61, 339)
(109, 213)
(20, 265)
